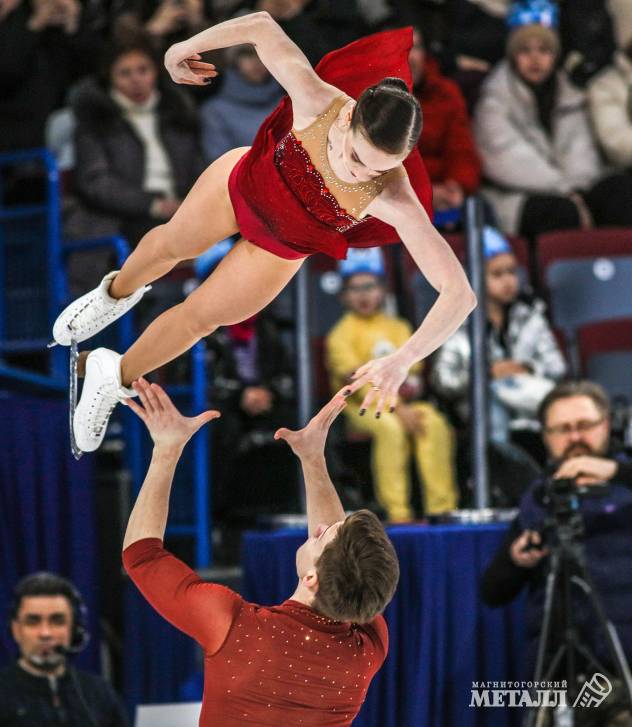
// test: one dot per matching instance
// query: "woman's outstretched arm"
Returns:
(281, 56)
(399, 206)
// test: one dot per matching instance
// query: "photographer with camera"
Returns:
(586, 505)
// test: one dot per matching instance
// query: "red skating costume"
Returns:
(277, 665)
(274, 184)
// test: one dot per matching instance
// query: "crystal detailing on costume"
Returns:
(312, 185)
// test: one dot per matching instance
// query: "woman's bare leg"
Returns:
(244, 282)
(205, 217)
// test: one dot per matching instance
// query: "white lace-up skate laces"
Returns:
(93, 312)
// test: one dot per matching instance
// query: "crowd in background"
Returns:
(504, 87)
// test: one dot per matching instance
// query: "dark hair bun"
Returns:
(389, 116)
(393, 82)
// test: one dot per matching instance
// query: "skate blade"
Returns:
(52, 344)
(72, 393)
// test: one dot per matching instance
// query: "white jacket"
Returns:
(610, 97)
(519, 157)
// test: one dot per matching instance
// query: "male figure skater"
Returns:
(307, 661)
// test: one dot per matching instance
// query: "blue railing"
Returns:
(34, 290)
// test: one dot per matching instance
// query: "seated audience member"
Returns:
(414, 426)
(44, 46)
(253, 386)
(611, 110)
(587, 37)
(621, 14)
(446, 143)
(299, 19)
(575, 419)
(537, 146)
(42, 688)
(248, 93)
(165, 21)
(524, 358)
(475, 42)
(137, 149)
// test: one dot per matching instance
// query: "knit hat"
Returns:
(494, 243)
(362, 260)
(533, 19)
(521, 36)
(533, 12)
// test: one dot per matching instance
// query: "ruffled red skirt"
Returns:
(269, 214)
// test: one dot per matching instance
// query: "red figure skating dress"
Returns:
(279, 190)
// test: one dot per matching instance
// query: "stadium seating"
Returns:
(605, 351)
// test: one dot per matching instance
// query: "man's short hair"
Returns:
(567, 389)
(357, 572)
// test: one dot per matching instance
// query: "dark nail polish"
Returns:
(392, 409)
(208, 79)
(346, 392)
(362, 412)
(377, 416)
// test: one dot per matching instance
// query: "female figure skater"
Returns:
(325, 172)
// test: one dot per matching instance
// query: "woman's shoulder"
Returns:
(328, 100)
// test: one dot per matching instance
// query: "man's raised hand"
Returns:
(167, 427)
(310, 441)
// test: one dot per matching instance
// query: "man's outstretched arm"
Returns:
(308, 444)
(170, 432)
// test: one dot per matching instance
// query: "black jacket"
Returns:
(36, 68)
(110, 158)
(29, 701)
(607, 542)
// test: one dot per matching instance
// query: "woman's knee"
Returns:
(163, 243)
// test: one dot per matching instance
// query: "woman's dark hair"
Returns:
(138, 42)
(389, 116)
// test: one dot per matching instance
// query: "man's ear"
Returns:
(14, 629)
(310, 581)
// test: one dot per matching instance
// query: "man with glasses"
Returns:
(575, 419)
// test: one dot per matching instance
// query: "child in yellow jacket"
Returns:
(415, 427)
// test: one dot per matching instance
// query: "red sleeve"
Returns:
(205, 611)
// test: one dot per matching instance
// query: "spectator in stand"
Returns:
(524, 358)
(575, 419)
(137, 147)
(248, 93)
(44, 46)
(446, 143)
(611, 110)
(299, 19)
(165, 21)
(536, 143)
(587, 36)
(621, 13)
(253, 385)
(476, 42)
(366, 330)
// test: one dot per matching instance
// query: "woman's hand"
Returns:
(386, 375)
(186, 67)
(167, 427)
